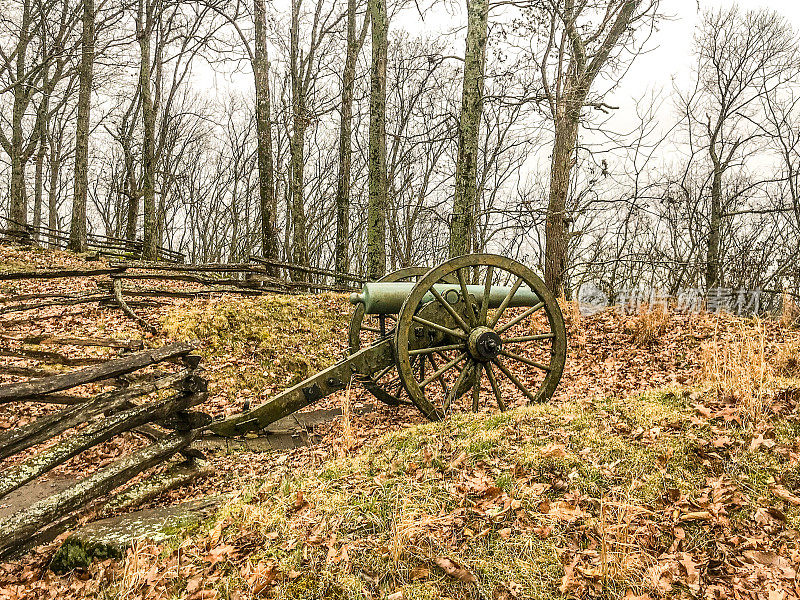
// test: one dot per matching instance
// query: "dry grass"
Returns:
(348, 440)
(649, 325)
(749, 367)
(737, 369)
(787, 359)
(790, 311)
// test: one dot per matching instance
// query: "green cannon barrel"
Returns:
(388, 298)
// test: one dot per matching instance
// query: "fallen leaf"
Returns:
(299, 503)
(219, 554)
(452, 569)
(692, 574)
(554, 451)
(784, 494)
(420, 572)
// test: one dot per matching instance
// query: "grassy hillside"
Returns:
(655, 494)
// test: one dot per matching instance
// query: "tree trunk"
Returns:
(715, 224)
(266, 183)
(354, 44)
(465, 201)
(300, 235)
(19, 199)
(376, 210)
(556, 230)
(52, 192)
(77, 232)
(296, 146)
(150, 239)
(38, 190)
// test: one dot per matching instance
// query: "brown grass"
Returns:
(738, 369)
(790, 311)
(348, 440)
(647, 327)
(787, 359)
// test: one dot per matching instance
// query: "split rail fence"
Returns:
(152, 393)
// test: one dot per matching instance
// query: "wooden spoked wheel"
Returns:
(366, 329)
(456, 353)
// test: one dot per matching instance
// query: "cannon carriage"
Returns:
(477, 332)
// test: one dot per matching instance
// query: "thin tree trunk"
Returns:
(462, 223)
(300, 237)
(38, 190)
(376, 210)
(150, 239)
(19, 201)
(52, 192)
(266, 183)
(77, 232)
(296, 146)
(715, 224)
(345, 143)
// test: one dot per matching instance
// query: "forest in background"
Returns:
(360, 145)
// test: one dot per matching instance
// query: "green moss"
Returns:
(266, 343)
(76, 554)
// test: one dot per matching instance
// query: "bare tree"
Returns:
(77, 235)
(462, 222)
(742, 59)
(33, 63)
(376, 210)
(581, 38)
(355, 40)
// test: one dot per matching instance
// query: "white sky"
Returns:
(670, 46)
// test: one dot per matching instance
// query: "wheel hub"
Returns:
(484, 344)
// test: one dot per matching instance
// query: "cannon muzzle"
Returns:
(387, 298)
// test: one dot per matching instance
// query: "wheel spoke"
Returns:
(504, 304)
(442, 384)
(487, 288)
(463, 376)
(476, 389)
(495, 388)
(514, 380)
(519, 318)
(422, 367)
(441, 328)
(470, 311)
(525, 360)
(456, 317)
(383, 373)
(441, 370)
(435, 349)
(529, 338)
(368, 328)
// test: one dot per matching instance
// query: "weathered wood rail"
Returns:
(29, 235)
(159, 404)
(134, 283)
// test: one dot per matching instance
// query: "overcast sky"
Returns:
(671, 52)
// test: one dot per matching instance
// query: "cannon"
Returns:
(427, 337)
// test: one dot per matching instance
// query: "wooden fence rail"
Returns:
(159, 404)
(103, 244)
